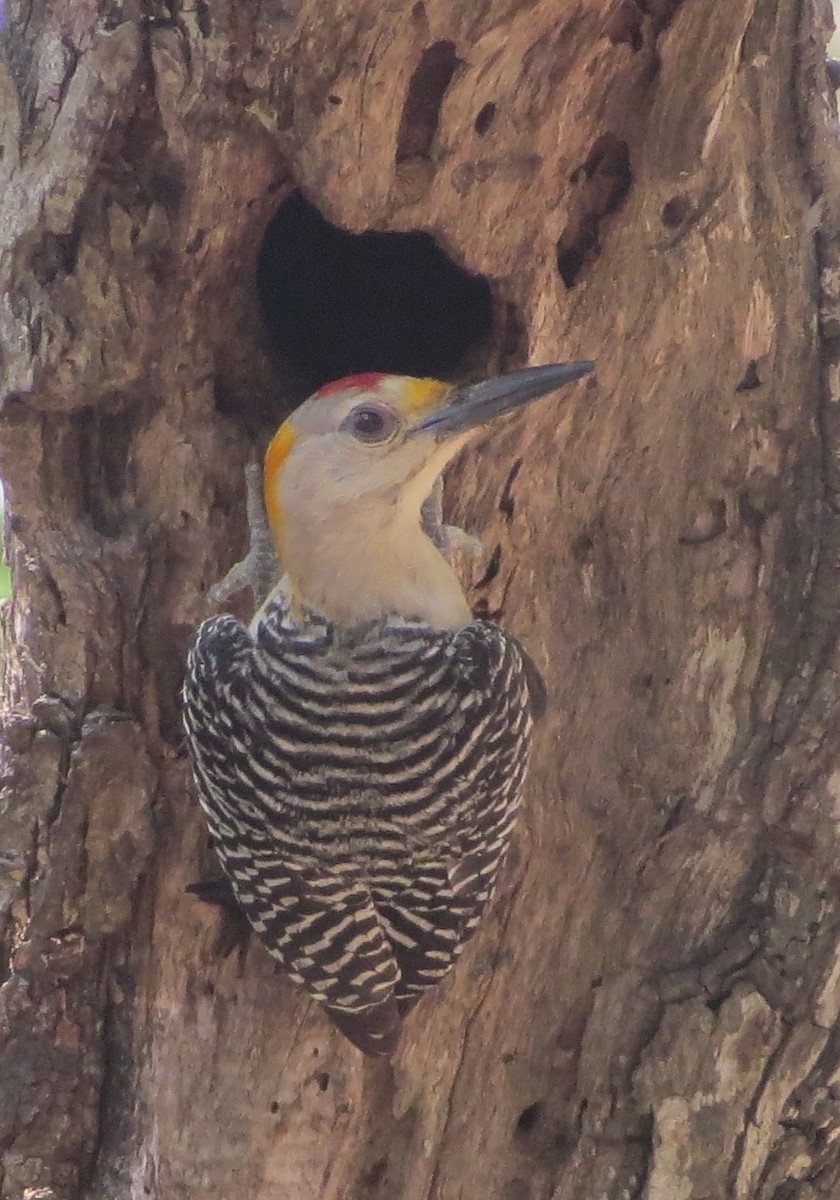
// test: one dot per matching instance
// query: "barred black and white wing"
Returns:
(361, 791)
(318, 922)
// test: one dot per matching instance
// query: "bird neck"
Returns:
(370, 563)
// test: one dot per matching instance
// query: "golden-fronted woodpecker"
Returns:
(360, 750)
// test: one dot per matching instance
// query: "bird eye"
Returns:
(371, 425)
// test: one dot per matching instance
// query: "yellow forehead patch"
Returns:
(276, 454)
(419, 396)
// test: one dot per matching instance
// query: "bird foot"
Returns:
(454, 543)
(457, 542)
(260, 569)
(234, 931)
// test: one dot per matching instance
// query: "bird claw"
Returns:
(234, 932)
(457, 541)
(452, 541)
(216, 891)
(259, 570)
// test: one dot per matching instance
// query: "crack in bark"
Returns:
(470, 1023)
(818, 640)
(749, 1116)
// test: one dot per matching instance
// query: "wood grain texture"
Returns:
(650, 1010)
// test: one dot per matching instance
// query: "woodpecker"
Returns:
(360, 750)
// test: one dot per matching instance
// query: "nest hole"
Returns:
(337, 303)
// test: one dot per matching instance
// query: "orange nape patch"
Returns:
(278, 451)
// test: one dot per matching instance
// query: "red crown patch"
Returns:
(365, 380)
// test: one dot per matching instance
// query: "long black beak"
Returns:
(483, 402)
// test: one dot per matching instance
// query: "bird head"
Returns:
(346, 476)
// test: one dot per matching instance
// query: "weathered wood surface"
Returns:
(651, 1008)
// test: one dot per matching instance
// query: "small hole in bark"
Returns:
(486, 117)
(528, 1118)
(334, 99)
(570, 262)
(274, 1107)
(506, 503)
(492, 569)
(675, 211)
(601, 185)
(196, 241)
(323, 1080)
(421, 111)
(582, 547)
(751, 379)
(338, 303)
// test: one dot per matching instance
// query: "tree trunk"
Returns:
(650, 1008)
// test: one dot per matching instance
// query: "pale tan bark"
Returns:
(650, 1010)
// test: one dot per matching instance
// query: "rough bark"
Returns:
(650, 1010)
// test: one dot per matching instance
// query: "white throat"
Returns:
(370, 562)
